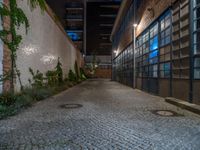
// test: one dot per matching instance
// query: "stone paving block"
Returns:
(113, 117)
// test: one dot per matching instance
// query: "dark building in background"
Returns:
(100, 19)
(75, 22)
(72, 15)
(161, 55)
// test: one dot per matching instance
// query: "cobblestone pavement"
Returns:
(113, 117)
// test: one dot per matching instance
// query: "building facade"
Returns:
(45, 42)
(75, 22)
(156, 47)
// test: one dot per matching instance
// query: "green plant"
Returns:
(59, 71)
(72, 76)
(76, 68)
(7, 111)
(23, 100)
(82, 74)
(35, 3)
(55, 77)
(52, 78)
(9, 35)
(37, 78)
(38, 93)
(7, 99)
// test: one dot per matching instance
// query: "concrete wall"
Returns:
(44, 43)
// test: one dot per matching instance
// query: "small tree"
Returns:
(59, 71)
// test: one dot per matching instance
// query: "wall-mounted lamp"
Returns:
(135, 25)
(115, 51)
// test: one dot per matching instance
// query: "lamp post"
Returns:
(134, 62)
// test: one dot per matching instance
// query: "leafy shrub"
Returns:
(52, 78)
(38, 93)
(37, 78)
(59, 71)
(82, 74)
(3, 108)
(7, 99)
(55, 77)
(76, 68)
(72, 76)
(6, 111)
(23, 100)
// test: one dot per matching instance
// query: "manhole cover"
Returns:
(70, 106)
(165, 113)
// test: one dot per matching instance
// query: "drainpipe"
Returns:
(134, 43)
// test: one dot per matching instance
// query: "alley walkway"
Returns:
(112, 117)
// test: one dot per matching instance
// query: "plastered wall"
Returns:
(43, 44)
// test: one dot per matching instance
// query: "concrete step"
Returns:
(184, 105)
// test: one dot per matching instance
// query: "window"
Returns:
(197, 68)
(165, 38)
(153, 55)
(153, 71)
(154, 43)
(196, 2)
(196, 39)
(165, 70)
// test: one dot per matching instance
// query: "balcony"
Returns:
(73, 5)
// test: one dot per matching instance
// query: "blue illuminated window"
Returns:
(154, 43)
(74, 36)
(153, 54)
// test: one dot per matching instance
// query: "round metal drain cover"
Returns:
(165, 113)
(70, 106)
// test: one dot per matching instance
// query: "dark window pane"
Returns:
(197, 48)
(197, 25)
(197, 62)
(197, 73)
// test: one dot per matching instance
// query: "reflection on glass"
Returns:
(154, 43)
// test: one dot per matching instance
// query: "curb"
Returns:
(184, 105)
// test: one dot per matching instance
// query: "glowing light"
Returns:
(29, 50)
(115, 51)
(48, 59)
(135, 25)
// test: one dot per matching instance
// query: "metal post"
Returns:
(85, 27)
(191, 4)
(134, 43)
(134, 66)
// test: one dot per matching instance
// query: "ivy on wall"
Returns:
(11, 38)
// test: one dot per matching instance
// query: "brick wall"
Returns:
(103, 73)
(6, 53)
(149, 11)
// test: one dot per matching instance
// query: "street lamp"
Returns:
(134, 47)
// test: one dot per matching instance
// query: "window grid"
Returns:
(149, 49)
(165, 47)
(123, 66)
(197, 39)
